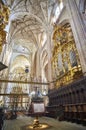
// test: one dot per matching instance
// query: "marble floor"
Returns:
(21, 121)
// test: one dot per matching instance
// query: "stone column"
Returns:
(38, 67)
(78, 31)
(49, 50)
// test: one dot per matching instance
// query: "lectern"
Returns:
(37, 109)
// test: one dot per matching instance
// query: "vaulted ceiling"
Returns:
(30, 19)
(29, 22)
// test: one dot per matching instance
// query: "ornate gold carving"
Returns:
(4, 13)
(65, 61)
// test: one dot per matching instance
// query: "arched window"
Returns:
(58, 11)
(82, 6)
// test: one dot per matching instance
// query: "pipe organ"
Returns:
(65, 60)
